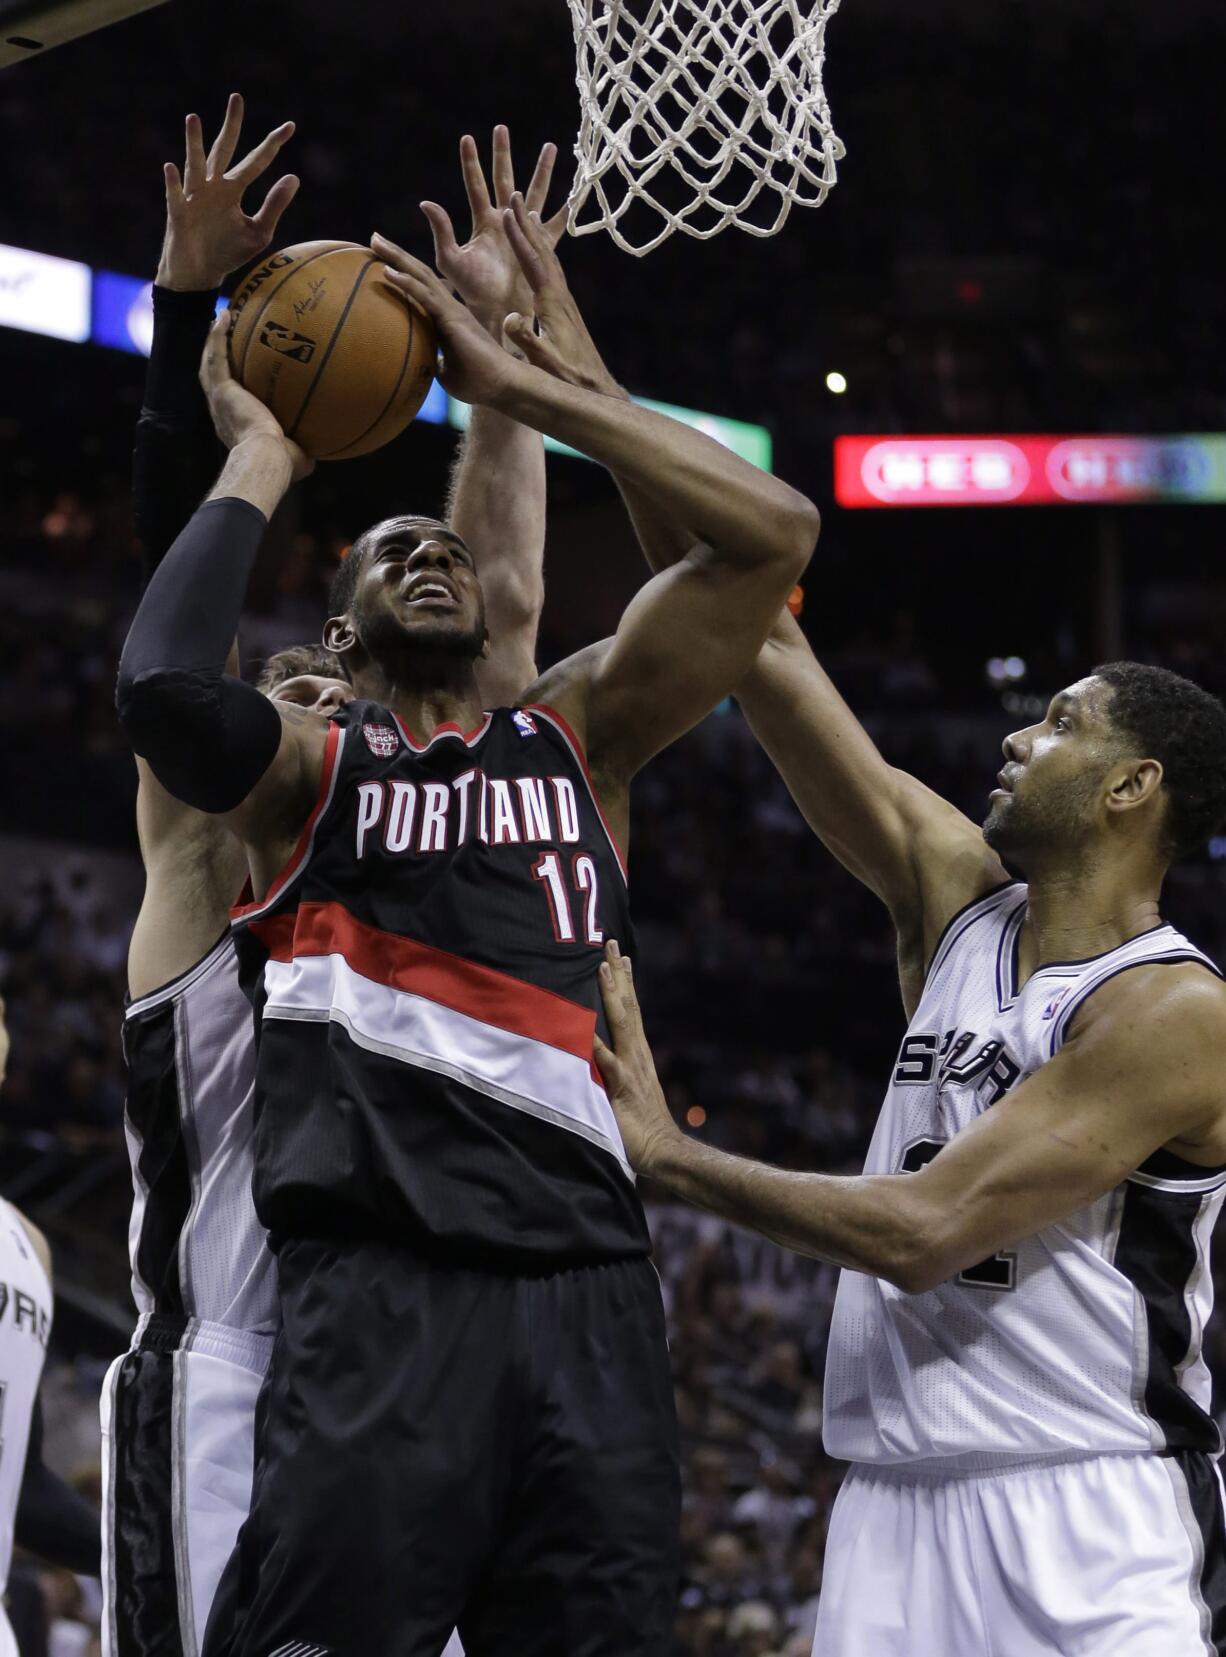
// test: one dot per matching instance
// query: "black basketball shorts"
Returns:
(442, 1446)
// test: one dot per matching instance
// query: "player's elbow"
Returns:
(797, 526)
(915, 1254)
(178, 721)
(916, 1273)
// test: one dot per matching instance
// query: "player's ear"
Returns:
(1135, 786)
(485, 647)
(340, 635)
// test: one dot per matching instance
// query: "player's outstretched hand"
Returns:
(474, 366)
(564, 347)
(628, 1068)
(207, 232)
(485, 269)
(237, 415)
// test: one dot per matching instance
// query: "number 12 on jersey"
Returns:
(548, 870)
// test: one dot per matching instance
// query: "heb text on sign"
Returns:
(1028, 470)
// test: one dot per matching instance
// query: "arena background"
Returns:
(1020, 242)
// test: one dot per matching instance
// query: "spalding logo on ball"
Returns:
(341, 358)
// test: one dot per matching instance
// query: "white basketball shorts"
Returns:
(178, 1447)
(1112, 1556)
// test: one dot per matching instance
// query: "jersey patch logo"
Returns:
(1054, 1005)
(524, 723)
(382, 740)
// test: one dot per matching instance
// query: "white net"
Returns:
(698, 114)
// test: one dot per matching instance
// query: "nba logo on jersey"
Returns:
(523, 722)
(382, 740)
(1053, 1006)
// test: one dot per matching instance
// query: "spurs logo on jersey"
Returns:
(1084, 1339)
(954, 1058)
(425, 974)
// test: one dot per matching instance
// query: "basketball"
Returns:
(325, 342)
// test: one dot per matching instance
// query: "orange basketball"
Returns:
(323, 339)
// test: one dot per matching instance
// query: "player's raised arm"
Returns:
(497, 498)
(918, 853)
(1141, 1071)
(208, 235)
(694, 630)
(211, 740)
(921, 856)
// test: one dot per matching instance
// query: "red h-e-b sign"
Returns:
(1023, 471)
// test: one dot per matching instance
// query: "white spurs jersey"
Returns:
(25, 1324)
(1084, 1339)
(197, 1248)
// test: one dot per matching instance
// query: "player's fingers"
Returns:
(393, 254)
(530, 261)
(502, 169)
(215, 363)
(555, 227)
(275, 203)
(537, 192)
(443, 231)
(224, 145)
(537, 349)
(533, 230)
(609, 1066)
(174, 188)
(613, 989)
(428, 295)
(251, 166)
(475, 187)
(195, 170)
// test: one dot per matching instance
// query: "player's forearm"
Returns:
(175, 454)
(207, 738)
(744, 514)
(863, 1222)
(497, 505)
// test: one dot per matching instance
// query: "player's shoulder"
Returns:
(1161, 1006)
(564, 686)
(38, 1240)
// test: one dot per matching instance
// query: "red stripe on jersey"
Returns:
(576, 748)
(402, 963)
(298, 857)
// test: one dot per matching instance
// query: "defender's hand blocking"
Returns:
(207, 233)
(237, 415)
(485, 269)
(628, 1068)
(475, 367)
(564, 347)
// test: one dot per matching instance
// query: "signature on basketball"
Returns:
(301, 306)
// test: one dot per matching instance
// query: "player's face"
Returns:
(1051, 789)
(419, 586)
(313, 692)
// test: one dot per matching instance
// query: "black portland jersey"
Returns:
(425, 979)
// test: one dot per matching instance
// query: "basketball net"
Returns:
(701, 113)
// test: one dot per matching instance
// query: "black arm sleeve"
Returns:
(52, 1520)
(177, 453)
(209, 738)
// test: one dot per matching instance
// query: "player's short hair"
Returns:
(297, 660)
(1168, 718)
